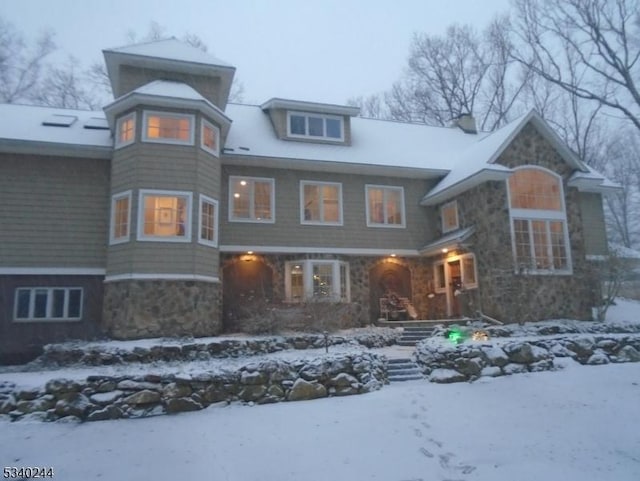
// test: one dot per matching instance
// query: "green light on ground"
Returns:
(455, 335)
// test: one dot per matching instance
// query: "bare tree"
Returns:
(66, 87)
(589, 48)
(21, 64)
(371, 106)
(457, 73)
(623, 167)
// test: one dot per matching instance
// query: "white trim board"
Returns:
(164, 277)
(364, 251)
(52, 271)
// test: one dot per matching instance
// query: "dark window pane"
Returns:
(297, 125)
(316, 126)
(57, 308)
(40, 304)
(75, 301)
(333, 128)
(22, 311)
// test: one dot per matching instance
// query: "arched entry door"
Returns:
(384, 278)
(247, 285)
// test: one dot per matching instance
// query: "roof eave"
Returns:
(301, 105)
(56, 149)
(133, 99)
(248, 159)
(480, 177)
(449, 242)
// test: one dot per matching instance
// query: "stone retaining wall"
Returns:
(104, 397)
(444, 362)
(98, 354)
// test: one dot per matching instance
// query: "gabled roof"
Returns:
(449, 241)
(477, 163)
(398, 148)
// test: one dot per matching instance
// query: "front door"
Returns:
(454, 283)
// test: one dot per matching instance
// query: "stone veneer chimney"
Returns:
(467, 123)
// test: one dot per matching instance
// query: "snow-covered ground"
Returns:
(576, 424)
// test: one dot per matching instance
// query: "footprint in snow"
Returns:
(417, 432)
(426, 453)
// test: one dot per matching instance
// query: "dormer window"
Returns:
(315, 126)
(168, 128)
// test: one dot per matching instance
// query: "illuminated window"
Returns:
(48, 304)
(385, 206)
(120, 217)
(449, 214)
(315, 126)
(317, 280)
(210, 138)
(126, 130)
(168, 128)
(538, 222)
(164, 216)
(321, 203)
(208, 227)
(251, 199)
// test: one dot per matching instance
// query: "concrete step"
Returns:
(410, 377)
(404, 369)
(399, 360)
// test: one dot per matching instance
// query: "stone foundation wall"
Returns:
(105, 397)
(136, 309)
(420, 270)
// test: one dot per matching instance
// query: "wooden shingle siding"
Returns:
(595, 238)
(54, 211)
(354, 233)
(133, 77)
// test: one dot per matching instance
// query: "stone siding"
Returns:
(503, 293)
(136, 309)
(359, 269)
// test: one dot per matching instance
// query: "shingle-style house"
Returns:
(164, 213)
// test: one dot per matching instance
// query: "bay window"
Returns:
(166, 127)
(164, 216)
(120, 217)
(317, 280)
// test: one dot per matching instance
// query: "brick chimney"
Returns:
(467, 124)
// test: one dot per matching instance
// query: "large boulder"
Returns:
(182, 404)
(60, 386)
(446, 376)
(145, 396)
(303, 390)
(76, 405)
(628, 354)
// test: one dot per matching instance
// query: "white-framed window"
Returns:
(385, 206)
(317, 280)
(126, 130)
(251, 199)
(538, 222)
(210, 138)
(315, 126)
(208, 221)
(449, 215)
(48, 304)
(320, 203)
(168, 128)
(120, 223)
(463, 265)
(164, 216)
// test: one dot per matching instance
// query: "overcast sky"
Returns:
(323, 50)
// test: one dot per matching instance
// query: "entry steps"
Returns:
(403, 370)
(412, 334)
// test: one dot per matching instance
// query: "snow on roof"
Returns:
(168, 88)
(25, 123)
(171, 49)
(373, 142)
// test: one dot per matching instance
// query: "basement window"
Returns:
(48, 304)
